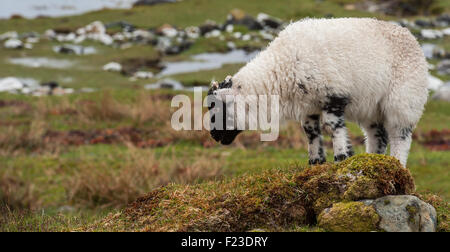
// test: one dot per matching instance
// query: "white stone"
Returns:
(9, 35)
(10, 83)
(434, 83)
(143, 75)
(13, 44)
(192, 32)
(246, 37)
(442, 93)
(229, 28)
(112, 67)
(446, 32)
(213, 34)
(169, 32)
(431, 34)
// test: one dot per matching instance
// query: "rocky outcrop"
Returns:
(401, 213)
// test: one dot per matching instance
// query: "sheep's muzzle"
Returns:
(222, 136)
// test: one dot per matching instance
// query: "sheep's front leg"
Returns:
(333, 119)
(376, 138)
(311, 126)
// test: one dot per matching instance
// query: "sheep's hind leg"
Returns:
(400, 139)
(333, 118)
(376, 138)
(311, 126)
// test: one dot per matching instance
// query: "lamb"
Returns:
(326, 71)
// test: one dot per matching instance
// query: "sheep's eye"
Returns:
(239, 87)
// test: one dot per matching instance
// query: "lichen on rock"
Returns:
(349, 217)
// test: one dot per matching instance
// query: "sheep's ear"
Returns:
(224, 94)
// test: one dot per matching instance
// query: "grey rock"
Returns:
(152, 2)
(404, 213)
(443, 93)
(443, 67)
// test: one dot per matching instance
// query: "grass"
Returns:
(66, 162)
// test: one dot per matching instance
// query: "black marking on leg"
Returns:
(350, 151)
(381, 136)
(336, 105)
(406, 133)
(312, 131)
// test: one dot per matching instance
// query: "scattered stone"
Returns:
(268, 21)
(143, 37)
(13, 44)
(404, 213)
(170, 47)
(74, 49)
(165, 84)
(167, 30)
(431, 34)
(399, 213)
(213, 34)
(434, 83)
(9, 35)
(143, 75)
(192, 32)
(444, 20)
(152, 2)
(112, 67)
(208, 26)
(10, 83)
(125, 26)
(442, 93)
(239, 17)
(443, 67)
(423, 23)
(433, 51)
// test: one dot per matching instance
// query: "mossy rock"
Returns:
(366, 176)
(349, 217)
(272, 200)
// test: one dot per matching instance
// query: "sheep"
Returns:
(363, 70)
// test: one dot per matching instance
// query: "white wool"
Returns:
(378, 65)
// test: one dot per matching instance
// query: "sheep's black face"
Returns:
(223, 136)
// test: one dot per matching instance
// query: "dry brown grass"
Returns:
(106, 186)
(16, 193)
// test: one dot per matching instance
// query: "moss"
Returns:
(412, 212)
(365, 176)
(349, 217)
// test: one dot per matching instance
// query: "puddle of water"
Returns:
(12, 84)
(207, 61)
(53, 8)
(41, 62)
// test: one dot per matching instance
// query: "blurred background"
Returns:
(85, 91)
